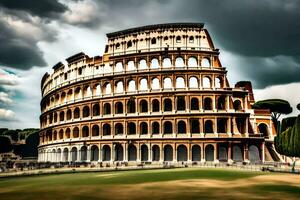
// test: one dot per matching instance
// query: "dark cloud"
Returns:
(41, 8)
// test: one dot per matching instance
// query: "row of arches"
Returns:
(130, 152)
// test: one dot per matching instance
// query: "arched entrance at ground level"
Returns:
(144, 153)
(94, 153)
(168, 153)
(58, 155)
(155, 153)
(66, 155)
(181, 153)
(254, 155)
(74, 154)
(131, 153)
(106, 153)
(119, 152)
(83, 153)
(196, 153)
(223, 154)
(237, 154)
(209, 152)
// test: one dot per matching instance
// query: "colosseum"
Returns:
(158, 95)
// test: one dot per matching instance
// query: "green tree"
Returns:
(277, 107)
(5, 144)
(298, 106)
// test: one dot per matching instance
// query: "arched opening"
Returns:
(83, 153)
(119, 67)
(143, 128)
(87, 92)
(263, 129)
(55, 117)
(194, 104)
(208, 126)
(207, 103)
(62, 116)
(168, 127)
(119, 129)
(192, 62)
(167, 63)
(155, 84)
(222, 125)
(76, 113)
(131, 106)
(155, 128)
(196, 153)
(107, 89)
(78, 94)
(195, 126)
(75, 132)
(58, 155)
(131, 152)
(237, 105)
(143, 85)
(106, 109)
(209, 153)
(94, 153)
(74, 154)
(167, 105)
(61, 133)
(167, 83)
(69, 114)
(181, 153)
(254, 155)
(95, 130)
(222, 153)
(131, 86)
(131, 128)
(180, 83)
(96, 110)
(218, 82)
(106, 153)
(181, 127)
(153, 41)
(131, 66)
(106, 129)
(180, 103)
(67, 133)
(86, 111)
(240, 123)
(85, 131)
(119, 152)
(178, 39)
(143, 64)
(119, 87)
(155, 153)
(66, 155)
(119, 108)
(154, 63)
(221, 103)
(179, 62)
(143, 106)
(129, 44)
(144, 153)
(70, 95)
(191, 39)
(97, 90)
(155, 105)
(193, 82)
(237, 154)
(206, 82)
(168, 153)
(205, 62)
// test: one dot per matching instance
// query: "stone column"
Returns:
(229, 153)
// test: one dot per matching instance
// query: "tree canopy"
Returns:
(298, 106)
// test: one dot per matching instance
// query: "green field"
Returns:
(188, 183)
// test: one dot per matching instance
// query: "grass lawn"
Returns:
(188, 183)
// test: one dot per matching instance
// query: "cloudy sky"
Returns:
(259, 41)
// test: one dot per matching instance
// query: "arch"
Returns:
(97, 90)
(58, 155)
(74, 154)
(69, 114)
(70, 95)
(143, 64)
(119, 67)
(95, 130)
(168, 153)
(153, 41)
(62, 116)
(143, 106)
(118, 46)
(106, 109)
(67, 133)
(87, 92)
(207, 103)
(167, 83)
(144, 153)
(119, 152)
(55, 117)
(180, 103)
(196, 153)
(181, 153)
(107, 89)
(75, 132)
(263, 129)
(106, 153)
(83, 153)
(119, 129)
(240, 123)
(63, 98)
(222, 125)
(155, 128)
(218, 82)
(76, 113)
(192, 62)
(61, 134)
(131, 106)
(191, 39)
(237, 105)
(209, 153)
(119, 87)
(85, 131)
(193, 82)
(155, 153)
(181, 127)
(106, 129)
(143, 128)
(180, 83)
(129, 44)
(94, 153)
(222, 153)
(221, 102)
(168, 127)
(178, 39)
(179, 62)
(131, 128)
(237, 154)
(167, 63)
(78, 94)
(195, 126)
(131, 86)
(131, 65)
(155, 105)
(206, 82)
(194, 103)
(119, 108)
(254, 155)
(205, 62)
(154, 63)
(155, 84)
(86, 111)
(168, 105)
(131, 152)
(96, 109)
(143, 84)
(66, 155)
(208, 126)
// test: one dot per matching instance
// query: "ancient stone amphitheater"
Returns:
(159, 94)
